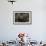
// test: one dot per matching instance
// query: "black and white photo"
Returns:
(22, 17)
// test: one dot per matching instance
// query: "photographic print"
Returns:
(22, 17)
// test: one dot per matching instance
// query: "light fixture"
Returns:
(12, 1)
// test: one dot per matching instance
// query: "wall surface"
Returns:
(9, 31)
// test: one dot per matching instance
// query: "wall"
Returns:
(9, 31)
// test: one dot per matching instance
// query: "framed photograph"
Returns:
(22, 17)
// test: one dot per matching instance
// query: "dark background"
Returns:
(21, 17)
